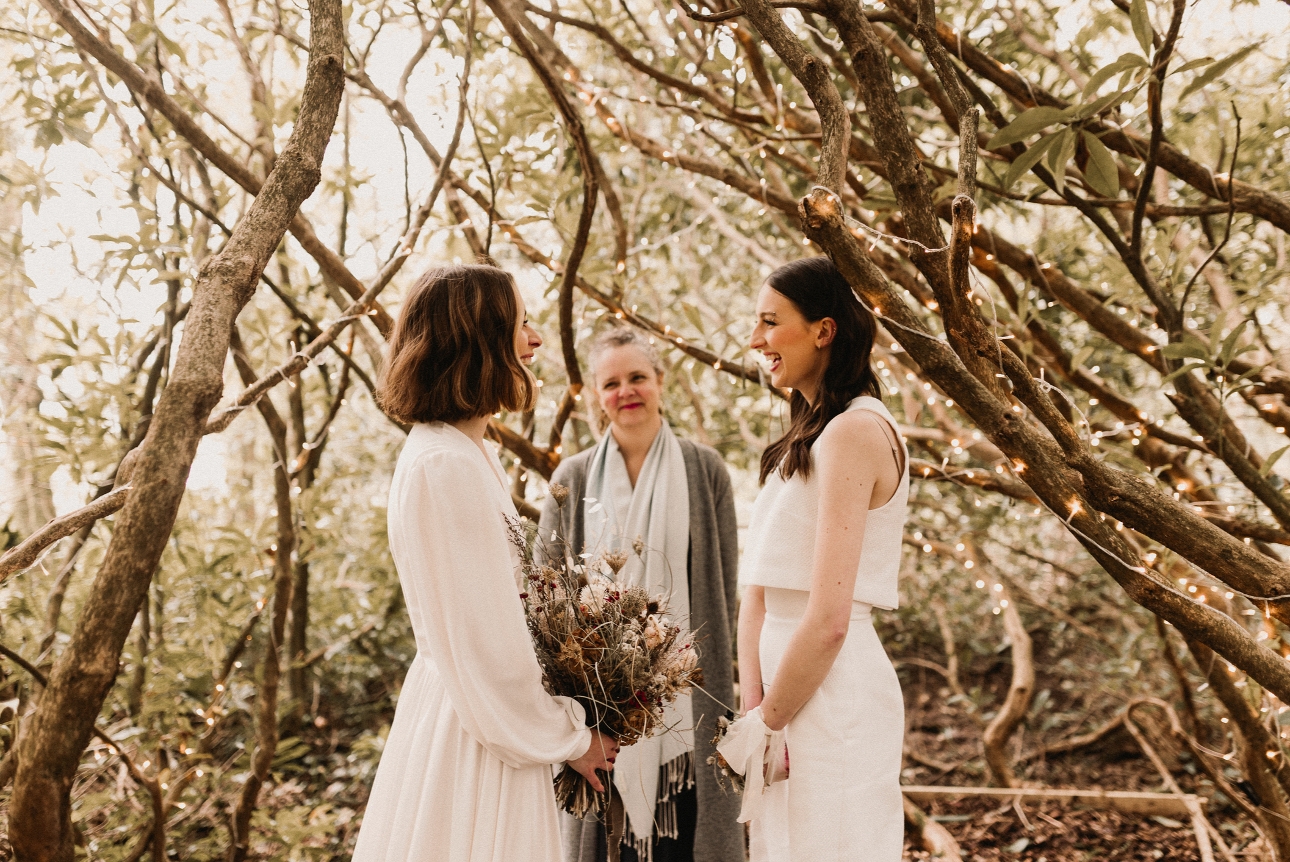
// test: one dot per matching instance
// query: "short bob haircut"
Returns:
(452, 356)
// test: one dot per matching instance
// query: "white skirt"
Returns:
(842, 799)
(440, 796)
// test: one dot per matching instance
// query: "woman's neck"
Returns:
(473, 428)
(636, 441)
(810, 389)
(634, 444)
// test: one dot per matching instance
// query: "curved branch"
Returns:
(1155, 109)
(994, 740)
(148, 88)
(835, 120)
(25, 554)
(986, 480)
(731, 14)
(221, 419)
(590, 192)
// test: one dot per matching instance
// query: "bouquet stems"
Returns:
(575, 794)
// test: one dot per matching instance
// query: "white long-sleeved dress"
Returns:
(466, 771)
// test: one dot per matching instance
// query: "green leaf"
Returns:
(1217, 69)
(1271, 462)
(1100, 104)
(1185, 248)
(692, 313)
(1027, 160)
(1181, 370)
(1081, 356)
(1190, 346)
(1106, 73)
(1101, 172)
(1141, 20)
(1028, 123)
(1023, 306)
(1059, 155)
(1194, 64)
(1227, 350)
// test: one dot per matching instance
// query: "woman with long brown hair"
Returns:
(466, 771)
(824, 708)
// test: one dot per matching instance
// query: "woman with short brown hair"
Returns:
(466, 771)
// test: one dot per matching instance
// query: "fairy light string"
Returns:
(1083, 422)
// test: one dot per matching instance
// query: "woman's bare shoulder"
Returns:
(854, 428)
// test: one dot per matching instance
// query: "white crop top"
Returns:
(779, 549)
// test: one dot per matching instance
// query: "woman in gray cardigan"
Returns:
(643, 483)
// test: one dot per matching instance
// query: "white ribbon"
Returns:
(746, 746)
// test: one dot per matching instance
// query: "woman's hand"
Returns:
(601, 755)
(751, 698)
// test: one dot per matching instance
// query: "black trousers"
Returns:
(679, 849)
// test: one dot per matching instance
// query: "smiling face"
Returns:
(628, 388)
(796, 349)
(527, 341)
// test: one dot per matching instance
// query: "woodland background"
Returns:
(1086, 340)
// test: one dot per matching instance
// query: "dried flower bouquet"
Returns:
(610, 647)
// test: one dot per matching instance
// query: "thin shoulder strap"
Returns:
(890, 433)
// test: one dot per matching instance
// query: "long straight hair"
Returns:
(818, 290)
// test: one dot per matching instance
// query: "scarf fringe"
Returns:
(675, 777)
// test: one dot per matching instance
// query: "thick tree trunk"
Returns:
(55, 736)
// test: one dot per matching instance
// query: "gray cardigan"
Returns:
(713, 575)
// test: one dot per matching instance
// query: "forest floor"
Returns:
(944, 739)
(996, 831)
(312, 807)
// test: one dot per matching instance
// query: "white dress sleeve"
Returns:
(455, 543)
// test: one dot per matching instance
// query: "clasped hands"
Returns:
(757, 753)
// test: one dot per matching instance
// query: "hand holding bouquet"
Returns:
(610, 647)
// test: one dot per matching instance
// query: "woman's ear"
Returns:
(828, 329)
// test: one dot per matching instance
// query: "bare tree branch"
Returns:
(28, 551)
